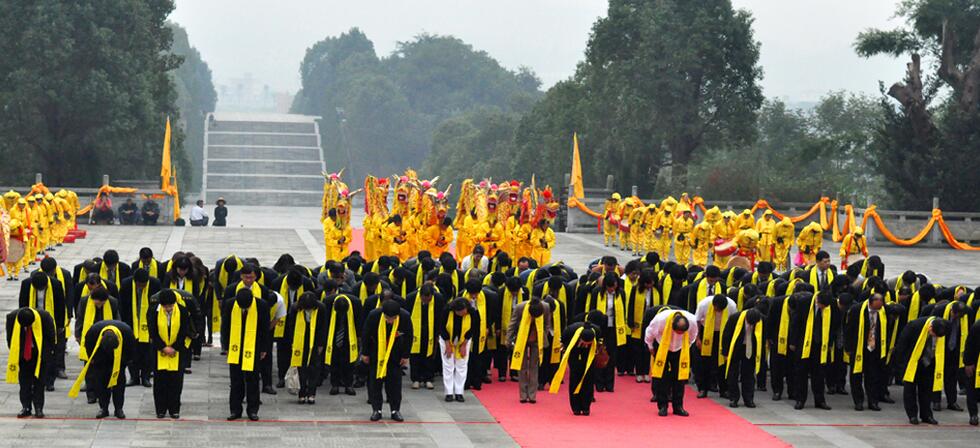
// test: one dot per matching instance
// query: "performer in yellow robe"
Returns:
(766, 228)
(610, 219)
(336, 236)
(543, 239)
(783, 235)
(702, 243)
(810, 241)
(724, 230)
(683, 226)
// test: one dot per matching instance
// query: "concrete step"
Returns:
(264, 152)
(261, 126)
(262, 181)
(264, 166)
(263, 139)
(267, 197)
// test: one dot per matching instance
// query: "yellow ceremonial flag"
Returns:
(165, 169)
(578, 190)
(176, 195)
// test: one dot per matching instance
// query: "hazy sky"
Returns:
(806, 45)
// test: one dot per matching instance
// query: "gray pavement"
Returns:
(267, 233)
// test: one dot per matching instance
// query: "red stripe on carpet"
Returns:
(622, 418)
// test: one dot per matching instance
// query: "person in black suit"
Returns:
(384, 368)
(245, 377)
(36, 352)
(170, 351)
(99, 370)
(134, 304)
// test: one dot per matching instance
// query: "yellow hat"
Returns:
(767, 213)
(859, 231)
(616, 197)
(31, 199)
(62, 194)
(746, 212)
(728, 214)
(49, 197)
(22, 201)
(683, 208)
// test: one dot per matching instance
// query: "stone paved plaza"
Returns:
(266, 233)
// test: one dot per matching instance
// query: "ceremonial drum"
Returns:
(724, 248)
(16, 250)
(739, 261)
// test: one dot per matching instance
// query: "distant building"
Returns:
(247, 94)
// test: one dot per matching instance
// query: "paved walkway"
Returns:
(266, 233)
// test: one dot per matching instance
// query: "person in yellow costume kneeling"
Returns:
(810, 241)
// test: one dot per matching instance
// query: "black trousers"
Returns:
(581, 401)
(871, 382)
(422, 368)
(59, 356)
(809, 372)
(391, 384)
(141, 367)
(244, 387)
(605, 378)
(309, 379)
(837, 369)
(624, 358)
(265, 369)
(500, 357)
(547, 369)
(639, 356)
(781, 372)
(97, 381)
(760, 378)
(31, 388)
(341, 371)
(476, 368)
(284, 353)
(972, 395)
(707, 373)
(669, 389)
(741, 378)
(951, 375)
(917, 395)
(167, 387)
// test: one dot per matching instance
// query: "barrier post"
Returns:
(868, 232)
(634, 190)
(935, 235)
(105, 180)
(571, 218)
(610, 182)
(38, 178)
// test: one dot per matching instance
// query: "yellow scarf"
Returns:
(920, 344)
(116, 363)
(659, 362)
(882, 332)
(299, 332)
(815, 279)
(618, 311)
(169, 337)
(351, 332)
(914, 303)
(707, 338)
(964, 330)
(223, 274)
(363, 294)
(238, 355)
(703, 289)
(385, 343)
(152, 268)
(517, 356)
(639, 308)
(756, 348)
(891, 343)
(104, 273)
(216, 308)
(563, 365)
(481, 307)
(556, 326)
(824, 332)
(561, 293)
(13, 358)
(284, 292)
(48, 298)
(138, 309)
(417, 326)
(507, 306)
(460, 342)
(64, 288)
(87, 322)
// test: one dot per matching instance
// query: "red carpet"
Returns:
(357, 241)
(623, 418)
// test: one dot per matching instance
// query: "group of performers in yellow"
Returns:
(640, 228)
(499, 217)
(32, 224)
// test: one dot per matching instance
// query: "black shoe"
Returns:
(733, 404)
(761, 388)
(62, 375)
(449, 398)
(477, 387)
(49, 388)
(887, 399)
(859, 407)
(103, 413)
(823, 406)
(269, 390)
(930, 420)
(175, 415)
(132, 382)
(38, 414)
(147, 383)
(954, 407)
(234, 417)
(936, 407)
(187, 371)
(576, 412)
(161, 415)
(486, 380)
(777, 396)
(502, 379)
(350, 391)
(586, 413)
(750, 404)
(120, 414)
(914, 420)
(375, 416)
(197, 357)
(514, 378)
(723, 394)
(281, 384)
(92, 400)
(974, 420)
(662, 412)
(600, 387)
(874, 407)
(681, 412)
(798, 405)
(702, 394)
(24, 413)
(523, 400)
(253, 417)
(460, 398)
(397, 416)
(334, 391)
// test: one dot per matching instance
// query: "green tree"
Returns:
(196, 98)
(85, 90)
(929, 143)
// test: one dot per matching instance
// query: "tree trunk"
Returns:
(910, 95)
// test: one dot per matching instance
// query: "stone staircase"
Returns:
(262, 159)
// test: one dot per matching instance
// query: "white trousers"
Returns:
(453, 369)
